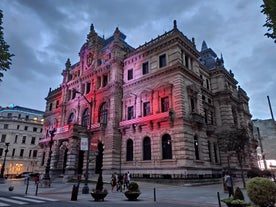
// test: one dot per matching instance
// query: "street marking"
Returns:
(4, 204)
(28, 199)
(41, 198)
(12, 201)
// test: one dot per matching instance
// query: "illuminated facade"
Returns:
(156, 108)
(22, 128)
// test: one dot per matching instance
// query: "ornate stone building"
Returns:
(20, 129)
(155, 108)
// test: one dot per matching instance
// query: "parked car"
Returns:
(27, 174)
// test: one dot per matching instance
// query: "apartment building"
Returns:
(20, 131)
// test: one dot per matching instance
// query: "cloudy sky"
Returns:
(44, 33)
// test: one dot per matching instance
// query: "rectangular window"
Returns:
(57, 104)
(98, 82)
(50, 107)
(18, 126)
(30, 153)
(9, 115)
(192, 104)
(146, 108)
(88, 87)
(73, 93)
(1, 152)
(130, 74)
(129, 112)
(162, 61)
(6, 126)
(27, 117)
(33, 140)
(21, 153)
(34, 129)
(26, 128)
(104, 80)
(13, 152)
(34, 153)
(145, 68)
(3, 138)
(164, 104)
(15, 138)
(24, 140)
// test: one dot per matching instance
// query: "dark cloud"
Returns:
(43, 34)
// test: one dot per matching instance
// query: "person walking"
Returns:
(229, 184)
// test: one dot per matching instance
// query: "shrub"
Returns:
(261, 191)
(133, 187)
(238, 195)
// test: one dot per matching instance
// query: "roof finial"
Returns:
(174, 24)
(68, 64)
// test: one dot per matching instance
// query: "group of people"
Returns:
(120, 182)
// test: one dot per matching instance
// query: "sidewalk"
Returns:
(206, 194)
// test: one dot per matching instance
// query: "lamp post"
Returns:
(85, 189)
(4, 162)
(46, 177)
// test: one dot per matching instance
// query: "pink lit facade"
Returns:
(156, 108)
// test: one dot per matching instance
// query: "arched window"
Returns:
(103, 113)
(129, 152)
(146, 149)
(196, 147)
(70, 118)
(166, 147)
(85, 118)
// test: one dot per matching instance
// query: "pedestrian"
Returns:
(120, 183)
(229, 184)
(113, 182)
(36, 179)
(128, 179)
(125, 180)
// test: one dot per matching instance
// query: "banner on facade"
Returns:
(84, 144)
(94, 144)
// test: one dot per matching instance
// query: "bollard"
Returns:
(74, 195)
(219, 199)
(154, 195)
(27, 186)
(36, 189)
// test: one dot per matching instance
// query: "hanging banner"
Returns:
(84, 144)
(94, 144)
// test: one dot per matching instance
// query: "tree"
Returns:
(5, 55)
(235, 140)
(269, 9)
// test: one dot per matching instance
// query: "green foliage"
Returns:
(133, 187)
(254, 172)
(261, 191)
(269, 9)
(5, 56)
(238, 195)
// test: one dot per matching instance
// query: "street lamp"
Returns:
(46, 177)
(4, 162)
(85, 189)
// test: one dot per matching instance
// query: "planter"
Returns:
(236, 205)
(132, 196)
(99, 196)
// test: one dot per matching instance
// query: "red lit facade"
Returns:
(156, 108)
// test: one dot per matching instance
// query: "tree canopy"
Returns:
(269, 9)
(5, 55)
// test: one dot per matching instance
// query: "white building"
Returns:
(20, 130)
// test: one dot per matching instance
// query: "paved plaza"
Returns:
(205, 195)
